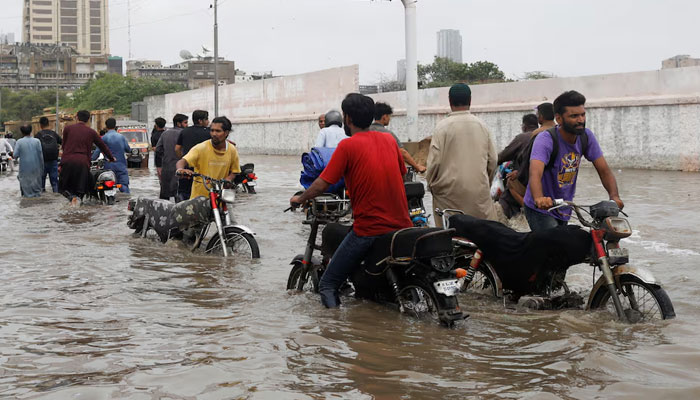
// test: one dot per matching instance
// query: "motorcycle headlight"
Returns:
(228, 195)
(618, 228)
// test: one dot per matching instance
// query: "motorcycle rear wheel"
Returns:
(249, 189)
(239, 243)
(652, 301)
(420, 301)
(482, 283)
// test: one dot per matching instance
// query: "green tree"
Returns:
(534, 75)
(24, 104)
(445, 72)
(118, 92)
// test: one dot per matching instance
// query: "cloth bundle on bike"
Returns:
(314, 162)
(524, 261)
(164, 216)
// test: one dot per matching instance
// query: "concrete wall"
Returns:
(645, 119)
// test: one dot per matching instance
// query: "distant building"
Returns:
(81, 24)
(369, 89)
(449, 45)
(7, 38)
(401, 71)
(192, 74)
(680, 61)
(34, 67)
(115, 65)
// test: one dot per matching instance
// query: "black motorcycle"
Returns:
(105, 184)
(245, 181)
(190, 220)
(412, 269)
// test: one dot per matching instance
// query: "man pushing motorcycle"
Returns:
(373, 168)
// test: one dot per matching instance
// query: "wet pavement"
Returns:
(89, 311)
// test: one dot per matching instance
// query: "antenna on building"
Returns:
(186, 55)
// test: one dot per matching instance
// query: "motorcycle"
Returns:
(190, 220)
(412, 269)
(5, 161)
(105, 188)
(246, 179)
(531, 267)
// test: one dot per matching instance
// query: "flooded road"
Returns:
(89, 311)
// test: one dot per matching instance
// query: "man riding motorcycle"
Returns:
(373, 169)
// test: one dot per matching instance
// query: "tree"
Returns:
(445, 72)
(118, 92)
(534, 75)
(24, 104)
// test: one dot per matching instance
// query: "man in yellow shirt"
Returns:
(216, 158)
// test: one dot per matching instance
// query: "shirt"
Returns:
(207, 160)
(330, 136)
(117, 144)
(5, 146)
(155, 136)
(192, 136)
(559, 182)
(56, 138)
(77, 144)
(511, 152)
(373, 168)
(377, 127)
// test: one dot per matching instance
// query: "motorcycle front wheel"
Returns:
(239, 243)
(302, 279)
(641, 301)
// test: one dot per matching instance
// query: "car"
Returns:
(136, 134)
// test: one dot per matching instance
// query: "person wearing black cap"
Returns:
(461, 160)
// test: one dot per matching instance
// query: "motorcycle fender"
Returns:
(299, 259)
(639, 273)
(241, 227)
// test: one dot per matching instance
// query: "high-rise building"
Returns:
(81, 24)
(7, 38)
(449, 45)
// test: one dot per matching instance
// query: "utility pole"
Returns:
(58, 53)
(128, 22)
(216, 59)
(411, 69)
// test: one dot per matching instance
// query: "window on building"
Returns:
(69, 21)
(43, 20)
(95, 13)
(96, 47)
(96, 38)
(95, 21)
(69, 12)
(42, 3)
(69, 38)
(43, 28)
(69, 3)
(95, 29)
(69, 29)
(40, 11)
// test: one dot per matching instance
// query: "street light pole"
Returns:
(57, 66)
(411, 69)
(216, 60)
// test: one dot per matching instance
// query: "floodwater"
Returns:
(89, 311)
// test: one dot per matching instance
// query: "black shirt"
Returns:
(155, 135)
(49, 157)
(192, 136)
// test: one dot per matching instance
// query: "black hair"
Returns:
(160, 122)
(225, 123)
(178, 118)
(360, 109)
(571, 98)
(382, 109)
(83, 115)
(460, 95)
(530, 120)
(43, 121)
(111, 123)
(199, 115)
(546, 111)
(26, 130)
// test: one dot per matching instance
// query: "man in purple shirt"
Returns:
(558, 181)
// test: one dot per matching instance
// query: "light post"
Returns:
(58, 53)
(411, 69)
(216, 60)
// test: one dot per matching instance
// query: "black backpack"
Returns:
(49, 145)
(523, 160)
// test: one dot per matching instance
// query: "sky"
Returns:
(562, 37)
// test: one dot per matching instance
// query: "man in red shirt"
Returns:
(373, 169)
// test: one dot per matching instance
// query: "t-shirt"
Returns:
(373, 168)
(559, 182)
(330, 136)
(207, 160)
(48, 132)
(192, 136)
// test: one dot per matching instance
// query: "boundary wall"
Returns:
(648, 120)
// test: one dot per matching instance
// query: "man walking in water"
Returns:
(31, 163)
(190, 137)
(74, 178)
(166, 148)
(50, 141)
(118, 146)
(373, 170)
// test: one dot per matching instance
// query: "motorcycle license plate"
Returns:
(109, 192)
(448, 288)
(251, 183)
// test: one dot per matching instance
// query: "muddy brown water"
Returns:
(89, 311)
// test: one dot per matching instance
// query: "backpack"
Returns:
(523, 161)
(49, 145)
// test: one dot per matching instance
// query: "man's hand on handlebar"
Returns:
(295, 202)
(544, 203)
(619, 202)
(183, 172)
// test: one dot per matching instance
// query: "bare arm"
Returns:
(535, 183)
(181, 167)
(317, 188)
(178, 150)
(410, 161)
(608, 180)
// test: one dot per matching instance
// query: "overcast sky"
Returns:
(564, 37)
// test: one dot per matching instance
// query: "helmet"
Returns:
(334, 117)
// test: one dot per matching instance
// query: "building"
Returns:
(192, 74)
(401, 71)
(680, 61)
(35, 67)
(7, 38)
(449, 45)
(81, 24)
(115, 65)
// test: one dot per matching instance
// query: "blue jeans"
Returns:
(50, 168)
(539, 221)
(349, 255)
